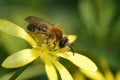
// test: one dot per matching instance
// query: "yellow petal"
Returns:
(94, 75)
(71, 38)
(15, 30)
(118, 75)
(65, 75)
(77, 75)
(20, 58)
(108, 74)
(79, 60)
(50, 70)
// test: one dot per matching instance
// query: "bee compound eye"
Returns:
(63, 41)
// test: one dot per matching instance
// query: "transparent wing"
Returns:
(37, 21)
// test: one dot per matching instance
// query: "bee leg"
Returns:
(47, 40)
(54, 44)
(31, 27)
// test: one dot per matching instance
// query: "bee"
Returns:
(54, 32)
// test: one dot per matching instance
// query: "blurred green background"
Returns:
(95, 22)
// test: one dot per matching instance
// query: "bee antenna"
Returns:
(69, 45)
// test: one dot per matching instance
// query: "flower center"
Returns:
(46, 44)
(44, 41)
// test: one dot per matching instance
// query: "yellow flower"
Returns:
(46, 53)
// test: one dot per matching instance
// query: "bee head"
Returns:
(64, 42)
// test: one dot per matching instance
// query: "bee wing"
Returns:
(37, 21)
(78, 49)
